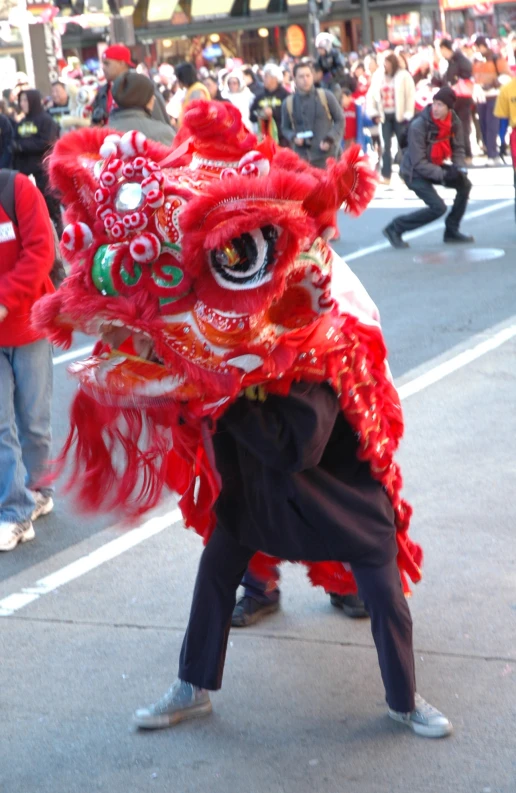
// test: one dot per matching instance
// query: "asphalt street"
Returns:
(92, 627)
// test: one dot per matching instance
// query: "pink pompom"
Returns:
(148, 184)
(110, 218)
(228, 173)
(115, 167)
(145, 248)
(103, 212)
(254, 164)
(128, 170)
(108, 178)
(77, 237)
(152, 168)
(138, 163)
(155, 198)
(108, 149)
(132, 144)
(135, 221)
(102, 195)
(117, 231)
(109, 146)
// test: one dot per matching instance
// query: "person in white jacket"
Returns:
(391, 101)
(235, 90)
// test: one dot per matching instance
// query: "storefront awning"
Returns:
(160, 10)
(211, 8)
(259, 5)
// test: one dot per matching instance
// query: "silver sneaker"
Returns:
(424, 720)
(13, 533)
(44, 504)
(181, 702)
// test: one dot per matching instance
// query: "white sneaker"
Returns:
(44, 504)
(13, 533)
(181, 702)
(424, 720)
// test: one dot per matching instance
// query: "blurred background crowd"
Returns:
(378, 91)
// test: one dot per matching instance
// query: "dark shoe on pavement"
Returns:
(394, 238)
(456, 237)
(248, 611)
(181, 702)
(424, 720)
(351, 605)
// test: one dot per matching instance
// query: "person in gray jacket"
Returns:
(134, 97)
(434, 154)
(311, 119)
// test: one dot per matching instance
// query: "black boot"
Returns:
(456, 237)
(394, 238)
(351, 605)
(248, 611)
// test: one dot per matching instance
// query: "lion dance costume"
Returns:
(211, 263)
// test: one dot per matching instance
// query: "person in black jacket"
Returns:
(35, 135)
(434, 155)
(292, 486)
(6, 138)
(460, 68)
(266, 106)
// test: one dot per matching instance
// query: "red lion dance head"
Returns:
(206, 270)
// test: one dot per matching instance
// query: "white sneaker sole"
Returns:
(171, 719)
(425, 731)
(29, 534)
(43, 509)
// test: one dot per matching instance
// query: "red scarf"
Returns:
(441, 149)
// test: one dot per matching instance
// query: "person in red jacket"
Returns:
(349, 108)
(26, 258)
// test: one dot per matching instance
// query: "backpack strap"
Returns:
(323, 99)
(7, 197)
(289, 103)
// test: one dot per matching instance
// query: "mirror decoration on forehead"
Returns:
(129, 197)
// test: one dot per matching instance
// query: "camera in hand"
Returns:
(306, 137)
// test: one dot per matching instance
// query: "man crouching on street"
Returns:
(434, 155)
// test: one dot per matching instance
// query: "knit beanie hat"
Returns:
(132, 90)
(446, 95)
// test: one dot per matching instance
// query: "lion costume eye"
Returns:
(246, 261)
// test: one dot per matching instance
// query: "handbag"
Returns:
(463, 88)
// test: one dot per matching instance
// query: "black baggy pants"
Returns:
(435, 206)
(221, 568)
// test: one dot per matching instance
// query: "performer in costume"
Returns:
(234, 372)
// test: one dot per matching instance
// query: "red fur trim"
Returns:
(349, 183)
(217, 131)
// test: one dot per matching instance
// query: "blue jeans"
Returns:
(489, 125)
(262, 591)
(25, 435)
(390, 128)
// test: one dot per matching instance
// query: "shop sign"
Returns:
(295, 40)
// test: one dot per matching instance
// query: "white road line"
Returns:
(382, 246)
(464, 358)
(85, 564)
(72, 355)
